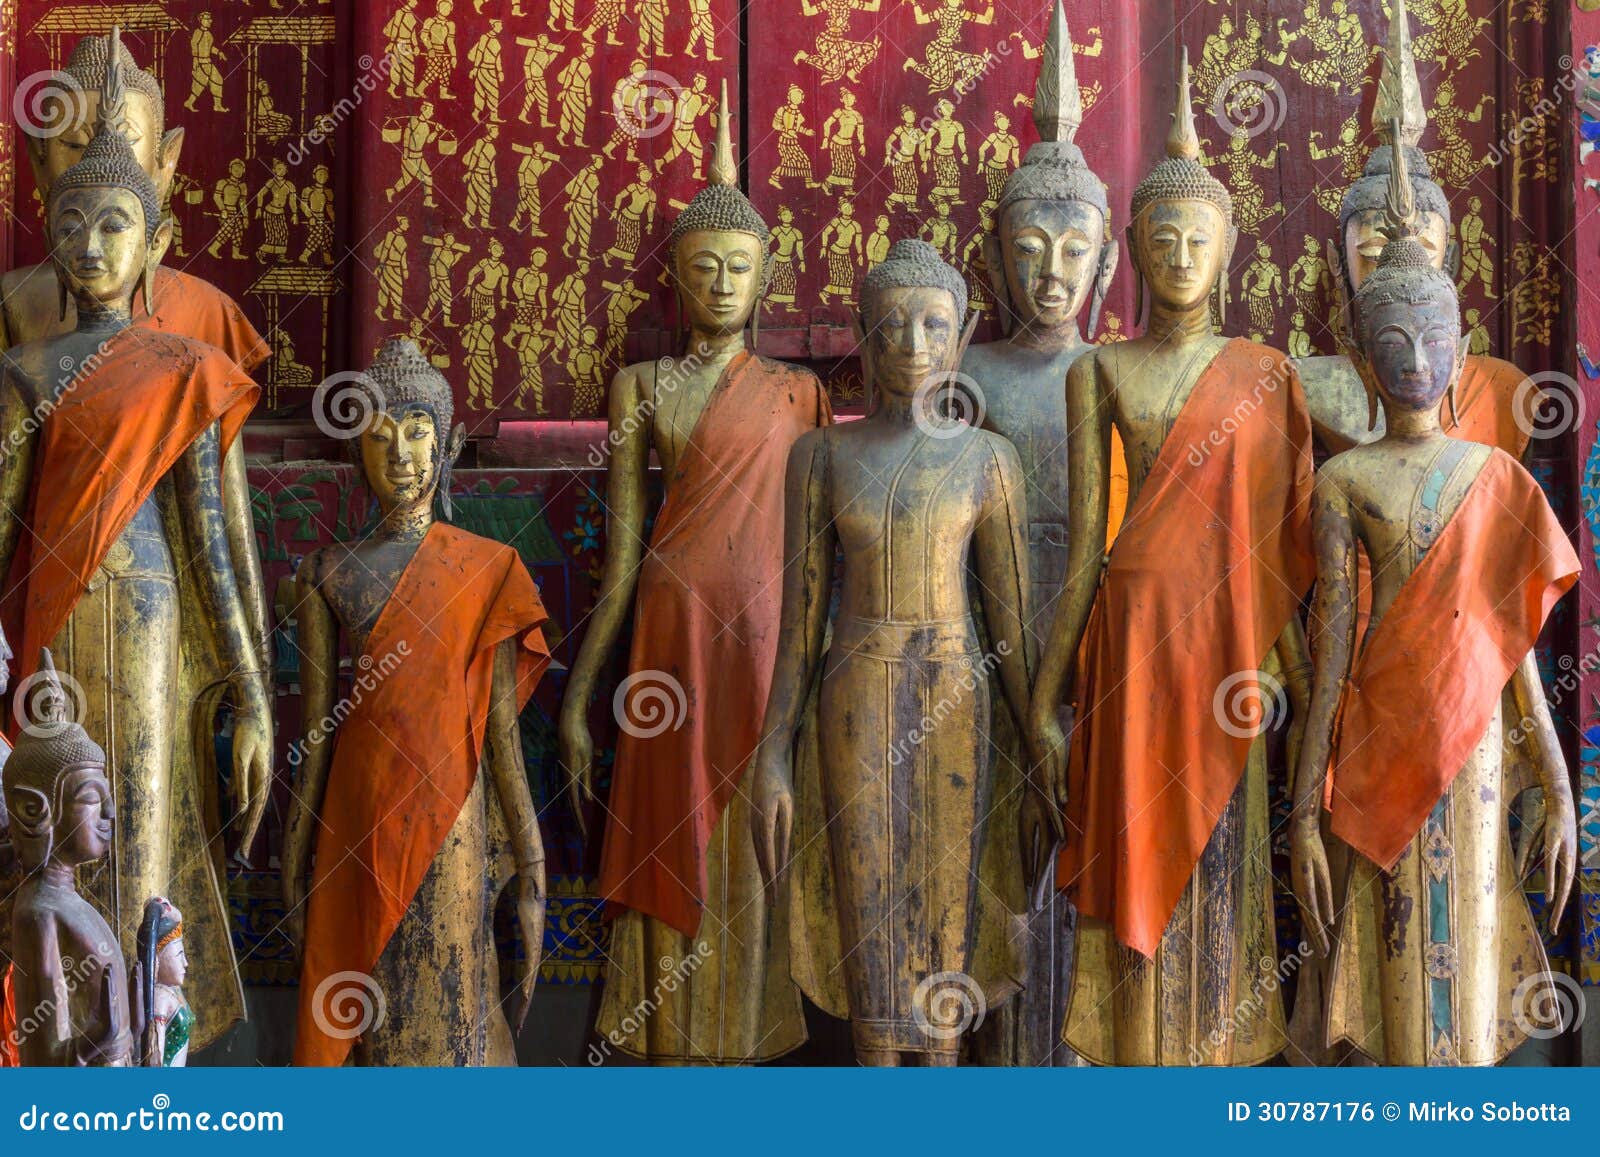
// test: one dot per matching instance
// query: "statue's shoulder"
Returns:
(789, 370)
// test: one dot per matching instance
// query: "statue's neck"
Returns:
(1179, 326)
(405, 523)
(55, 874)
(715, 349)
(1052, 339)
(1412, 426)
(104, 319)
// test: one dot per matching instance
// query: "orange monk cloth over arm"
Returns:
(1427, 683)
(706, 632)
(1213, 558)
(106, 443)
(189, 307)
(407, 755)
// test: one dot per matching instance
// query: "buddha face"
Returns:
(1051, 252)
(80, 831)
(915, 333)
(1180, 248)
(1411, 350)
(80, 116)
(400, 457)
(98, 238)
(1364, 241)
(719, 279)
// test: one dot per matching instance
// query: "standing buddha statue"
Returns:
(1436, 946)
(418, 810)
(1166, 853)
(904, 786)
(113, 532)
(1047, 258)
(677, 867)
(1487, 404)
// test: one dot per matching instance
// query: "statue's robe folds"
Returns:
(1167, 855)
(409, 828)
(699, 968)
(1436, 935)
(104, 574)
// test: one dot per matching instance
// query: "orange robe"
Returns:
(107, 443)
(710, 595)
(1479, 596)
(407, 755)
(1151, 767)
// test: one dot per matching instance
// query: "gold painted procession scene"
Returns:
(866, 532)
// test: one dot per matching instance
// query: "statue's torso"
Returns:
(678, 398)
(1025, 401)
(1148, 384)
(358, 580)
(85, 949)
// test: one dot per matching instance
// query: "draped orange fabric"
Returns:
(189, 307)
(1427, 683)
(1486, 406)
(706, 623)
(407, 754)
(1211, 561)
(106, 444)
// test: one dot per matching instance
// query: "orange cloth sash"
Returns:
(189, 307)
(1428, 681)
(104, 447)
(407, 754)
(1211, 562)
(710, 595)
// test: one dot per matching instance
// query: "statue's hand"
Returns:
(252, 758)
(577, 760)
(1312, 882)
(530, 922)
(1553, 827)
(772, 810)
(1039, 838)
(1047, 743)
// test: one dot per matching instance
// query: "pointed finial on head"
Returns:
(723, 170)
(1400, 209)
(49, 707)
(1057, 101)
(113, 98)
(1399, 89)
(1182, 142)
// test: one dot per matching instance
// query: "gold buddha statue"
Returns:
(1486, 396)
(1047, 258)
(1436, 960)
(694, 941)
(113, 532)
(1186, 654)
(418, 810)
(899, 935)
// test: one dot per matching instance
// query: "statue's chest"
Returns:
(917, 504)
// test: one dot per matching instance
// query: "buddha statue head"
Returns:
(1049, 251)
(1181, 235)
(56, 788)
(1362, 216)
(104, 215)
(718, 246)
(914, 327)
(409, 444)
(1405, 322)
(69, 110)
